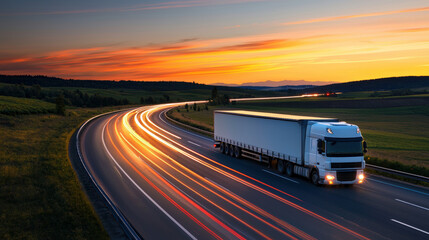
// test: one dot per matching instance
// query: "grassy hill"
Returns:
(14, 106)
(40, 195)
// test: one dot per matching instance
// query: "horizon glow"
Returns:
(226, 41)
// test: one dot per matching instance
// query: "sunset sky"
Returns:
(215, 41)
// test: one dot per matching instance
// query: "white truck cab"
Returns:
(336, 149)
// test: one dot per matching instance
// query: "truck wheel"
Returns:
(281, 166)
(222, 147)
(289, 169)
(226, 148)
(237, 152)
(315, 177)
(231, 150)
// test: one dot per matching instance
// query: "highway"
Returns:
(170, 183)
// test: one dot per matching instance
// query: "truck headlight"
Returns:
(329, 177)
(361, 177)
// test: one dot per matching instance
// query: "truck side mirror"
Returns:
(365, 147)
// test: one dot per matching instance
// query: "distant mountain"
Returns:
(280, 88)
(374, 85)
(270, 83)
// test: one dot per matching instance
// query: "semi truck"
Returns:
(324, 150)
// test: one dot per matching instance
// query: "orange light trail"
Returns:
(170, 199)
(249, 184)
(130, 129)
(287, 226)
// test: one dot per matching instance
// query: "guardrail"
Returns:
(399, 173)
(375, 167)
(126, 226)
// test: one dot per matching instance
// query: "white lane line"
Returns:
(394, 185)
(275, 174)
(217, 184)
(412, 204)
(418, 229)
(194, 143)
(142, 191)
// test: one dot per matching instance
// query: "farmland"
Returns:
(394, 133)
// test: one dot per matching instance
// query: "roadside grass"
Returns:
(398, 134)
(40, 195)
(14, 106)
(202, 119)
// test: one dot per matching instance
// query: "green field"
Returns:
(396, 133)
(14, 106)
(40, 195)
(175, 96)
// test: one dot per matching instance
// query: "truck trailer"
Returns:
(324, 150)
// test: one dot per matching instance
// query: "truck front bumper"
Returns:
(337, 177)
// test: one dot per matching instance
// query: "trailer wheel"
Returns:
(227, 148)
(315, 177)
(231, 150)
(289, 169)
(237, 152)
(222, 147)
(281, 166)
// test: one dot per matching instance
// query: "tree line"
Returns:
(69, 97)
(45, 81)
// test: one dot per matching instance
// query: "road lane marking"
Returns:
(217, 184)
(142, 191)
(194, 143)
(394, 185)
(418, 229)
(412, 204)
(275, 174)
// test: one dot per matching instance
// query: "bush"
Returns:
(398, 166)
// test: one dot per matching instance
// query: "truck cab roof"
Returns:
(334, 130)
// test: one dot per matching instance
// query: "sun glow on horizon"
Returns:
(329, 49)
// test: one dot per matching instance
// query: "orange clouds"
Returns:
(176, 60)
(396, 47)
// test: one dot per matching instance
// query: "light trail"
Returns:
(146, 128)
(285, 225)
(152, 131)
(133, 135)
(235, 197)
(141, 190)
(178, 206)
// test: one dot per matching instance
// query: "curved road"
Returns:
(170, 183)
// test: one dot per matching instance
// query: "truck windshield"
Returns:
(343, 148)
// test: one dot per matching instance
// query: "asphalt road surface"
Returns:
(172, 184)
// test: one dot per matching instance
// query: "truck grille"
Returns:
(347, 165)
(346, 176)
